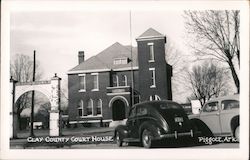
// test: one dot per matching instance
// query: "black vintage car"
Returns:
(152, 121)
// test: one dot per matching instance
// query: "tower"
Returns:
(154, 73)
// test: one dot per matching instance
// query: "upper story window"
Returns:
(82, 79)
(151, 52)
(152, 76)
(95, 81)
(118, 61)
(124, 80)
(115, 81)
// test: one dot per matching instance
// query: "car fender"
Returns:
(235, 121)
(151, 126)
(199, 125)
(123, 131)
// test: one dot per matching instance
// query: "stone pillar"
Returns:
(54, 125)
(13, 114)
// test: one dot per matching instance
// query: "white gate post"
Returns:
(13, 114)
(55, 126)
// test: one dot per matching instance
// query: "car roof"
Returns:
(234, 97)
(154, 102)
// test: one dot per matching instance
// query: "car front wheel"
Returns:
(146, 139)
(118, 139)
(237, 133)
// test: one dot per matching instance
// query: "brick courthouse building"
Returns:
(100, 88)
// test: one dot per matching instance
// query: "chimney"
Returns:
(80, 56)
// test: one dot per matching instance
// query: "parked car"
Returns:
(219, 117)
(154, 121)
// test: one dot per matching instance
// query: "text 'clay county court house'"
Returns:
(101, 88)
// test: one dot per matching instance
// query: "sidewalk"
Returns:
(22, 142)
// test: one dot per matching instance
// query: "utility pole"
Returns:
(33, 98)
(132, 72)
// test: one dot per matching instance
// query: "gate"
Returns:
(51, 89)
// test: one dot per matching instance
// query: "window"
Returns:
(132, 113)
(152, 72)
(80, 108)
(99, 107)
(124, 80)
(90, 107)
(210, 107)
(229, 104)
(142, 111)
(118, 61)
(151, 52)
(154, 98)
(115, 81)
(82, 79)
(136, 99)
(95, 82)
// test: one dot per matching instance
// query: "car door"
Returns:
(230, 108)
(131, 123)
(210, 115)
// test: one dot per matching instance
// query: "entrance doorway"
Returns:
(118, 110)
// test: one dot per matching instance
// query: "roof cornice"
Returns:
(102, 70)
(88, 71)
(150, 38)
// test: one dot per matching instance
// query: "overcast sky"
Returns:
(58, 36)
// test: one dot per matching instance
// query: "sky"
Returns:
(57, 36)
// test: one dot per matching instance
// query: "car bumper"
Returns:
(176, 135)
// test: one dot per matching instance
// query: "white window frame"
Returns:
(116, 79)
(81, 107)
(122, 60)
(151, 52)
(152, 72)
(84, 83)
(125, 80)
(97, 81)
(156, 98)
(99, 100)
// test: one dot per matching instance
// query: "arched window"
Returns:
(90, 107)
(154, 98)
(157, 98)
(80, 108)
(115, 81)
(124, 80)
(99, 107)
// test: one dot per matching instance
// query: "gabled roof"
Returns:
(105, 59)
(150, 33)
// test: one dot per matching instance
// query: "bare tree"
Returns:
(178, 60)
(215, 35)
(21, 69)
(207, 81)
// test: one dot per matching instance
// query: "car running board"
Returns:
(131, 140)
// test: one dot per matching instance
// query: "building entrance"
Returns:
(118, 110)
